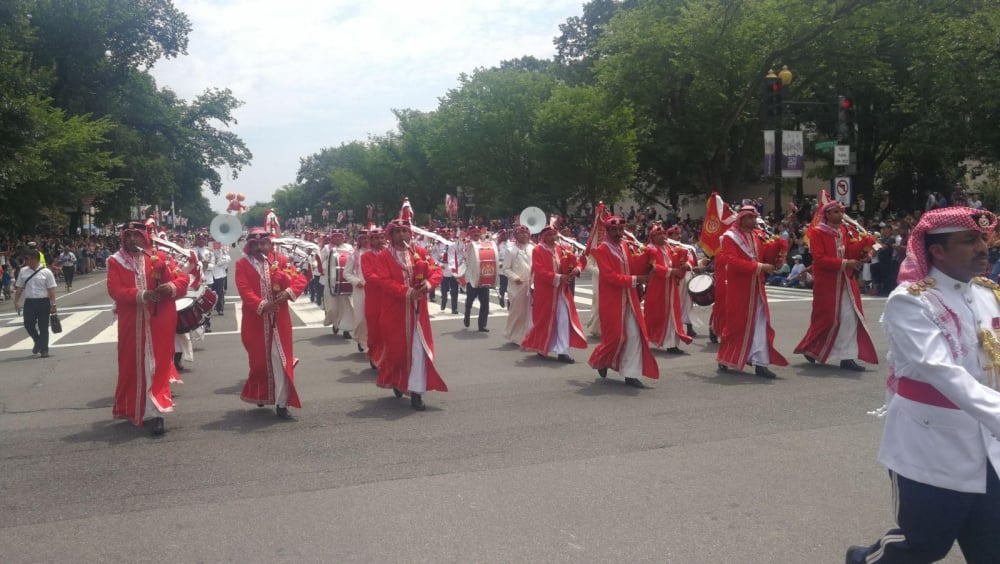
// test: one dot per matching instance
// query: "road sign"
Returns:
(825, 145)
(842, 190)
(842, 155)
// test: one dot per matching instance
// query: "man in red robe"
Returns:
(837, 328)
(624, 343)
(373, 293)
(664, 316)
(555, 324)
(144, 288)
(747, 336)
(406, 274)
(266, 283)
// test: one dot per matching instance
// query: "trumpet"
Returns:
(299, 251)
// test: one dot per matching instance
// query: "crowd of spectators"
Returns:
(88, 254)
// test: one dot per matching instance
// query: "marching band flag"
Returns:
(717, 215)
(597, 232)
(824, 199)
(406, 212)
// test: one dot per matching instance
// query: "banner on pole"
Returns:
(792, 155)
(769, 153)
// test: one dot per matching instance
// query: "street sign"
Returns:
(842, 155)
(842, 190)
(825, 145)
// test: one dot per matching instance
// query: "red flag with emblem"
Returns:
(715, 224)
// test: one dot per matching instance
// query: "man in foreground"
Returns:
(940, 440)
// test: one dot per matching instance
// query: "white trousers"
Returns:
(759, 355)
(632, 351)
(418, 368)
(560, 341)
(280, 378)
(845, 344)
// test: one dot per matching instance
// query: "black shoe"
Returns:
(397, 393)
(372, 364)
(856, 554)
(844, 365)
(483, 330)
(347, 335)
(674, 350)
(634, 382)
(177, 361)
(501, 301)
(466, 320)
(282, 413)
(723, 368)
(764, 372)
(35, 350)
(220, 313)
(602, 372)
(417, 402)
(336, 330)
(260, 405)
(360, 348)
(45, 354)
(442, 307)
(690, 330)
(566, 359)
(810, 359)
(208, 328)
(712, 336)
(455, 312)
(157, 429)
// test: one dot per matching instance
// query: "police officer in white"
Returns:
(38, 286)
(941, 441)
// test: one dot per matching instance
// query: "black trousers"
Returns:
(36, 321)
(449, 284)
(219, 287)
(481, 294)
(931, 519)
(68, 274)
(502, 290)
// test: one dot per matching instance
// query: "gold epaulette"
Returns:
(921, 286)
(984, 281)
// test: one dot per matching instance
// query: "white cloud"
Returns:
(316, 73)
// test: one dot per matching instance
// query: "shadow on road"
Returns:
(110, 432)
(605, 387)
(387, 408)
(102, 403)
(360, 376)
(245, 420)
(231, 390)
(535, 361)
(831, 371)
(733, 378)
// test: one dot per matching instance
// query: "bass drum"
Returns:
(701, 288)
(482, 270)
(206, 301)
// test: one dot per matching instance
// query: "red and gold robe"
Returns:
(399, 318)
(744, 291)
(663, 293)
(545, 265)
(145, 332)
(373, 302)
(255, 281)
(616, 292)
(830, 248)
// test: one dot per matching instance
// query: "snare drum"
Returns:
(701, 288)
(338, 284)
(188, 317)
(206, 301)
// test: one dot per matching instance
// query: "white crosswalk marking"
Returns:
(97, 319)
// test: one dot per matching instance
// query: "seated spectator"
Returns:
(777, 278)
(799, 276)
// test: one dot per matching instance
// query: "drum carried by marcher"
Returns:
(482, 270)
(193, 308)
(701, 288)
(339, 286)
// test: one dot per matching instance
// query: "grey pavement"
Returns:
(523, 460)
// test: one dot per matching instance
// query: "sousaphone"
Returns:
(533, 218)
(226, 228)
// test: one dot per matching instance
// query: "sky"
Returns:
(318, 73)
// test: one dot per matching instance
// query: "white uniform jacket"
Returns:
(932, 327)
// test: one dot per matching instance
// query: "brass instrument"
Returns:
(299, 251)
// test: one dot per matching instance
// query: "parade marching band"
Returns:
(379, 292)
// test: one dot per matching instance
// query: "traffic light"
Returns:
(772, 95)
(845, 117)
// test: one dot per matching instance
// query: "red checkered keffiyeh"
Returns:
(944, 220)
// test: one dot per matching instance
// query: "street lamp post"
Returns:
(774, 84)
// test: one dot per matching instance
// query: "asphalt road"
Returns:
(522, 461)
